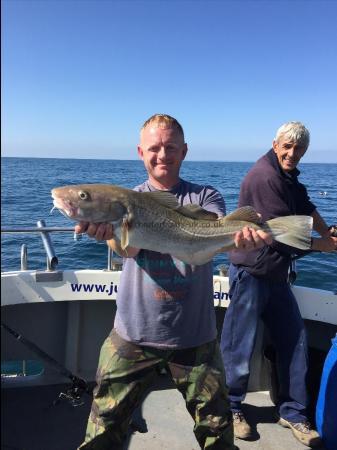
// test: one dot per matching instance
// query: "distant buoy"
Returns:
(323, 193)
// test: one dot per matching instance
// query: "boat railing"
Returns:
(24, 257)
(114, 262)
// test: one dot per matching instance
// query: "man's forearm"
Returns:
(319, 224)
(327, 243)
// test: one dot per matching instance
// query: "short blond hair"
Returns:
(165, 121)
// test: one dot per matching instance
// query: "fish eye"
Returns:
(83, 195)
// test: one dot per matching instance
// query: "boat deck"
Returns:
(163, 417)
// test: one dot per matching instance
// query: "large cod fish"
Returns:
(155, 221)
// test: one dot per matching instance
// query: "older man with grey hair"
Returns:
(259, 287)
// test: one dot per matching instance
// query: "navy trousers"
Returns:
(253, 298)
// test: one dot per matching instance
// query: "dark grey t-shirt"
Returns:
(163, 302)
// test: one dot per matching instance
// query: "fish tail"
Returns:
(292, 230)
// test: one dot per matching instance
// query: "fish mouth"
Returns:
(65, 207)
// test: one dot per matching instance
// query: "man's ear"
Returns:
(275, 146)
(185, 151)
(140, 152)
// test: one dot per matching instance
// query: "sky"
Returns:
(79, 78)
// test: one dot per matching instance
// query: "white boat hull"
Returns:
(34, 287)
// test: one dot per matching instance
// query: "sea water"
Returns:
(25, 195)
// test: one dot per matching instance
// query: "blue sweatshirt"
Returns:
(273, 193)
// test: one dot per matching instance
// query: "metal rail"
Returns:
(37, 229)
(24, 257)
(43, 230)
(114, 262)
(52, 260)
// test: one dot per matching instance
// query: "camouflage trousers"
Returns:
(126, 371)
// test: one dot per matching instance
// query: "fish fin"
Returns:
(169, 201)
(294, 231)
(196, 212)
(196, 259)
(229, 246)
(163, 198)
(246, 213)
(125, 234)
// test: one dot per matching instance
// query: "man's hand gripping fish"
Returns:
(155, 221)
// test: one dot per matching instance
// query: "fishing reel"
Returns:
(73, 395)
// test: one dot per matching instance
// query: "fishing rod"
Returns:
(79, 386)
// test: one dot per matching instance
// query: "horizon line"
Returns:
(189, 160)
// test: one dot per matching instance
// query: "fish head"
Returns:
(94, 203)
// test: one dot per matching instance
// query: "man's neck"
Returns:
(163, 185)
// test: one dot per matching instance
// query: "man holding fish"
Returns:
(168, 230)
(165, 314)
(260, 288)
